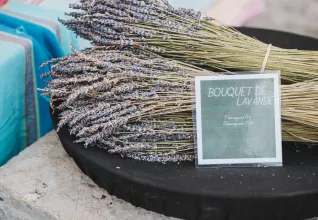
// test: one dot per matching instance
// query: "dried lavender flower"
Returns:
(139, 105)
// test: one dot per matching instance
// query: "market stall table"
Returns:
(181, 190)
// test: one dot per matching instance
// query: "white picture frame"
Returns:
(278, 160)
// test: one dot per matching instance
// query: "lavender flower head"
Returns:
(127, 101)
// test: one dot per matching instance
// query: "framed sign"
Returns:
(238, 120)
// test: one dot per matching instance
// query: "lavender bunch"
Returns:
(184, 35)
(139, 105)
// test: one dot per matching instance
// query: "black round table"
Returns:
(183, 191)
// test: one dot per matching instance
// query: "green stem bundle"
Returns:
(140, 105)
(183, 35)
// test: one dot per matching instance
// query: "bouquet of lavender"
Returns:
(139, 104)
(184, 35)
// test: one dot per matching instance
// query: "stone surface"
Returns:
(44, 183)
(13, 209)
(44, 179)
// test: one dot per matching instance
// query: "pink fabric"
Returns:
(35, 2)
(2, 2)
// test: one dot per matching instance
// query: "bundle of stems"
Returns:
(139, 104)
(184, 35)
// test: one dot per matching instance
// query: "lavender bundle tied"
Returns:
(184, 35)
(139, 104)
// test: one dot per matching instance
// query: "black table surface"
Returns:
(183, 191)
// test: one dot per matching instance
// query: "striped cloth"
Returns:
(61, 6)
(28, 37)
(34, 18)
(24, 116)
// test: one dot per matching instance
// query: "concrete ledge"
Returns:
(13, 209)
(44, 183)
